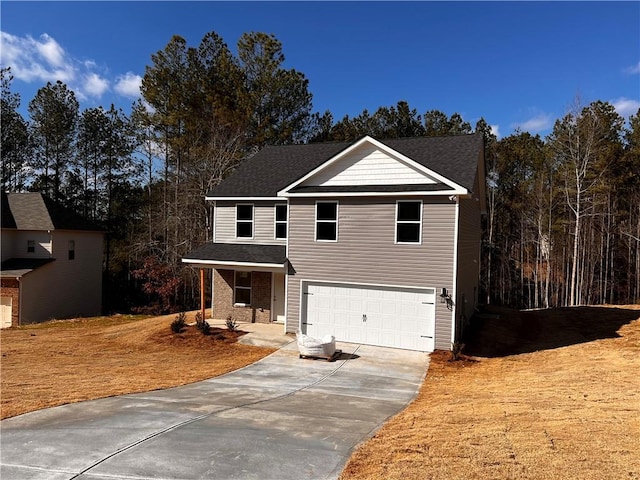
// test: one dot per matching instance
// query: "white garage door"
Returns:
(385, 316)
(5, 309)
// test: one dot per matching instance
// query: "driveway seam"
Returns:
(206, 415)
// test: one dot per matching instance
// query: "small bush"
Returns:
(456, 351)
(202, 324)
(179, 323)
(232, 324)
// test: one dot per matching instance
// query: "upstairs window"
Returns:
(242, 288)
(408, 222)
(327, 221)
(31, 246)
(72, 249)
(244, 221)
(281, 221)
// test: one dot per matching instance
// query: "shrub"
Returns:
(179, 323)
(202, 324)
(232, 324)
(456, 350)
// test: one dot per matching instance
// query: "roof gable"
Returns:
(371, 163)
(447, 161)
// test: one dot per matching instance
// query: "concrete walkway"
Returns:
(280, 418)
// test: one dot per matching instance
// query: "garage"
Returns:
(373, 315)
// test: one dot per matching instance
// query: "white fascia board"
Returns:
(374, 285)
(388, 150)
(243, 199)
(463, 192)
(219, 263)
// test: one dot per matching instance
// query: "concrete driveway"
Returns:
(280, 418)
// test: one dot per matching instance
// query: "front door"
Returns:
(5, 312)
(278, 298)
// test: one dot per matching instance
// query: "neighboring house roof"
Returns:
(34, 211)
(234, 253)
(17, 267)
(276, 167)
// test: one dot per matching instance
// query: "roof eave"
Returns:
(245, 198)
(373, 193)
(229, 265)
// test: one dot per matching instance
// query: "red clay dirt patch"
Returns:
(68, 361)
(570, 411)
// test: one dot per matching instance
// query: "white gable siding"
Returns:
(368, 165)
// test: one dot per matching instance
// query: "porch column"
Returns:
(202, 305)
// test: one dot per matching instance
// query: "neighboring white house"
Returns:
(373, 241)
(51, 261)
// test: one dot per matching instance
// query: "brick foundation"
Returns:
(10, 287)
(260, 309)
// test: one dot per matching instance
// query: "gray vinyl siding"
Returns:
(263, 222)
(468, 267)
(366, 253)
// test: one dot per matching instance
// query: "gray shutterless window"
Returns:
(327, 221)
(244, 220)
(408, 221)
(242, 288)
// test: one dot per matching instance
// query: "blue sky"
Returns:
(516, 64)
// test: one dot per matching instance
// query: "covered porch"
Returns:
(248, 281)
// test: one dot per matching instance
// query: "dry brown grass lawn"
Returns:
(555, 395)
(68, 361)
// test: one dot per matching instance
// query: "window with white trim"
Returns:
(408, 221)
(242, 288)
(327, 221)
(281, 221)
(244, 220)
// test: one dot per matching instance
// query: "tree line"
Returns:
(563, 220)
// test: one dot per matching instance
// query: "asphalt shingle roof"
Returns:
(245, 253)
(34, 211)
(17, 267)
(274, 168)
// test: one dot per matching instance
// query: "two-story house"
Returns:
(51, 261)
(374, 242)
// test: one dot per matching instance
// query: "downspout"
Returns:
(454, 294)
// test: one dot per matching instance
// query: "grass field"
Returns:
(54, 363)
(543, 395)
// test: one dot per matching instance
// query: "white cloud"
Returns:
(626, 106)
(31, 60)
(495, 130)
(45, 60)
(128, 85)
(94, 85)
(50, 51)
(632, 70)
(536, 124)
